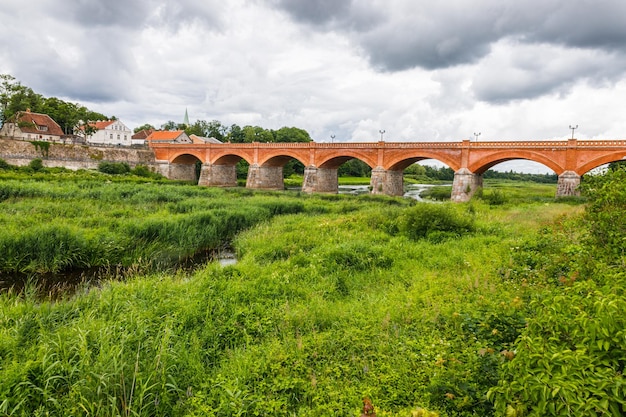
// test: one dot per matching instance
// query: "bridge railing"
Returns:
(404, 145)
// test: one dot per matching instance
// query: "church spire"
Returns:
(186, 120)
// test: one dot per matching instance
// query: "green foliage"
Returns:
(144, 171)
(354, 168)
(435, 222)
(114, 168)
(4, 165)
(42, 146)
(492, 197)
(606, 214)
(437, 193)
(36, 164)
(569, 360)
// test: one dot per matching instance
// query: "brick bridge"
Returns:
(568, 159)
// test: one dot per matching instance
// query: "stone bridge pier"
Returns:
(265, 177)
(320, 180)
(465, 185)
(173, 171)
(568, 184)
(212, 175)
(387, 182)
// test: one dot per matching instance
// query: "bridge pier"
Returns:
(465, 185)
(320, 180)
(182, 172)
(265, 177)
(568, 184)
(218, 175)
(387, 182)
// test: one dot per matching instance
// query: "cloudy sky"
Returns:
(419, 70)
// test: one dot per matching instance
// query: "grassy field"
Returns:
(334, 298)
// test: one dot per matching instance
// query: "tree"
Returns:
(235, 134)
(85, 129)
(146, 126)
(171, 125)
(291, 134)
(8, 87)
(22, 98)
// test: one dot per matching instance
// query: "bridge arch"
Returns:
(231, 158)
(605, 159)
(335, 160)
(187, 158)
(400, 163)
(483, 164)
(282, 159)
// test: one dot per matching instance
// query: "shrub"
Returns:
(4, 165)
(434, 222)
(495, 198)
(114, 168)
(437, 193)
(36, 164)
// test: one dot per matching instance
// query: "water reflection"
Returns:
(413, 191)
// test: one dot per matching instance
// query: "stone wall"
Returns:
(20, 153)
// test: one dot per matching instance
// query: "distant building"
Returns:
(110, 132)
(26, 125)
(168, 136)
(201, 139)
(140, 137)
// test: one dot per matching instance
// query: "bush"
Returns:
(437, 193)
(4, 165)
(495, 198)
(569, 360)
(114, 168)
(36, 164)
(434, 222)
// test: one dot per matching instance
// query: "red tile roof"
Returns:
(101, 124)
(142, 134)
(165, 135)
(32, 122)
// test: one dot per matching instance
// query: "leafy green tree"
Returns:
(354, 168)
(23, 98)
(84, 130)
(235, 134)
(8, 87)
(172, 125)
(146, 126)
(291, 134)
(257, 134)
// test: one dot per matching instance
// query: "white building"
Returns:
(26, 125)
(110, 132)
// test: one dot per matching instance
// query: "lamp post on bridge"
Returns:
(332, 138)
(573, 128)
(382, 132)
(476, 135)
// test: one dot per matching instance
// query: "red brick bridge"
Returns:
(568, 159)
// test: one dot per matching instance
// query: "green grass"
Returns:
(333, 298)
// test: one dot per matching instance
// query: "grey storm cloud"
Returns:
(404, 34)
(133, 15)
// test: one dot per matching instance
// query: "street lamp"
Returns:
(573, 128)
(332, 137)
(382, 132)
(476, 135)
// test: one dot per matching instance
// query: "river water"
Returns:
(56, 285)
(411, 191)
